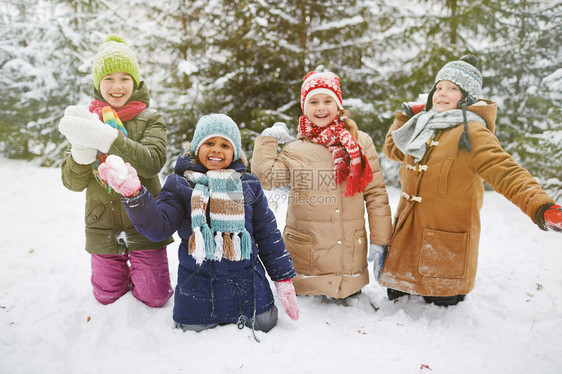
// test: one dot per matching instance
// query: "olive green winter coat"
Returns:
(434, 248)
(108, 228)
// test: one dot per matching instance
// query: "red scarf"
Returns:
(126, 113)
(350, 162)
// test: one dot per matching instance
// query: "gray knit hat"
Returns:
(464, 73)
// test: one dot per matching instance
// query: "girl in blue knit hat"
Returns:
(118, 122)
(229, 236)
(447, 151)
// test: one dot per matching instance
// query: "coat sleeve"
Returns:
(389, 148)
(74, 176)
(376, 197)
(498, 168)
(158, 220)
(268, 238)
(148, 154)
(271, 169)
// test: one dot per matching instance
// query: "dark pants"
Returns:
(437, 300)
(264, 322)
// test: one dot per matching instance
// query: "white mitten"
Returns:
(83, 155)
(88, 132)
(280, 131)
(79, 111)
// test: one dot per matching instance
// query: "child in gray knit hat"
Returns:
(446, 151)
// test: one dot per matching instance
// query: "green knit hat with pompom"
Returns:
(113, 56)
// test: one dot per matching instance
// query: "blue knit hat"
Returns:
(215, 124)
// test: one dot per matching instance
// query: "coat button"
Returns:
(339, 242)
(337, 210)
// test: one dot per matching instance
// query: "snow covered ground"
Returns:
(50, 322)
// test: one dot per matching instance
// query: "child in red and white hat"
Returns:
(333, 172)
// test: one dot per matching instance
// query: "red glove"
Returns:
(416, 108)
(553, 217)
(286, 293)
(411, 109)
(122, 177)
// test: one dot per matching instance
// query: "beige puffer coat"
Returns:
(325, 231)
(434, 249)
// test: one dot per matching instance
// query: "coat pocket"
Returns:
(359, 260)
(444, 176)
(94, 214)
(300, 247)
(443, 254)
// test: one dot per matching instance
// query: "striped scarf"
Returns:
(109, 117)
(126, 113)
(350, 162)
(226, 236)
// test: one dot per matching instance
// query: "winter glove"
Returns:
(377, 254)
(286, 293)
(411, 109)
(549, 217)
(83, 155)
(85, 129)
(122, 177)
(280, 131)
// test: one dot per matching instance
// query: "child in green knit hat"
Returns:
(117, 122)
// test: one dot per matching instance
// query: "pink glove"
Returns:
(286, 293)
(122, 177)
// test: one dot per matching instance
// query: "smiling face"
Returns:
(321, 110)
(216, 153)
(446, 96)
(116, 88)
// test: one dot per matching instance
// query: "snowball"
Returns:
(119, 168)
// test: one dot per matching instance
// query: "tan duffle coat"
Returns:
(434, 249)
(325, 231)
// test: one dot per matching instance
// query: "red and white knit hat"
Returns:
(321, 83)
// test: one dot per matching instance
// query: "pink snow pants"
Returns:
(147, 276)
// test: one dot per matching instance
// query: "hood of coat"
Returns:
(140, 94)
(488, 110)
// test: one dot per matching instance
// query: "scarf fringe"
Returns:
(246, 245)
(197, 245)
(357, 183)
(219, 246)
(228, 247)
(236, 246)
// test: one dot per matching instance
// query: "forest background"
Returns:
(248, 58)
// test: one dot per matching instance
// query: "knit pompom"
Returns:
(471, 59)
(115, 38)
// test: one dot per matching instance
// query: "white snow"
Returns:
(51, 323)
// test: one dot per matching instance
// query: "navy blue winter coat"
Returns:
(215, 291)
